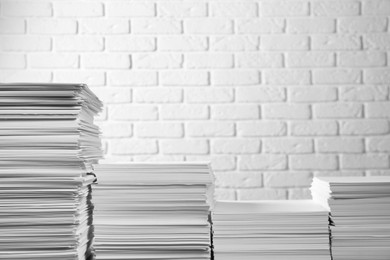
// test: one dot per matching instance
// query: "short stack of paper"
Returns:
(270, 230)
(48, 143)
(360, 215)
(152, 211)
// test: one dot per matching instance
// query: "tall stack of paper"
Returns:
(48, 143)
(270, 230)
(360, 215)
(152, 211)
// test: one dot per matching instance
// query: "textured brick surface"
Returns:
(271, 92)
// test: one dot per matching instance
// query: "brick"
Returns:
(132, 112)
(336, 42)
(184, 78)
(52, 26)
(233, 9)
(261, 194)
(378, 173)
(364, 127)
(339, 145)
(158, 158)
(337, 76)
(364, 161)
(259, 60)
(284, 42)
(158, 130)
(53, 60)
(260, 25)
(223, 162)
(338, 173)
(130, 9)
(78, 9)
(132, 78)
(312, 94)
(234, 112)
(113, 94)
(376, 7)
(378, 110)
(217, 162)
(376, 41)
(25, 43)
(184, 146)
(310, 59)
(313, 161)
(106, 61)
(287, 179)
(314, 128)
(116, 159)
(362, 59)
(156, 26)
(225, 194)
(25, 76)
(378, 144)
(263, 162)
(26, 8)
(78, 43)
(208, 26)
(184, 112)
(104, 26)
(130, 43)
(12, 61)
(299, 194)
(208, 60)
(157, 95)
(133, 146)
(336, 8)
(286, 77)
(157, 60)
(377, 76)
(287, 145)
(310, 25)
(209, 129)
(284, 8)
(338, 110)
(235, 146)
(238, 179)
(260, 94)
(115, 129)
(362, 24)
(209, 95)
(102, 116)
(363, 93)
(285, 111)
(261, 128)
(235, 77)
(12, 26)
(181, 9)
(234, 43)
(182, 43)
(91, 78)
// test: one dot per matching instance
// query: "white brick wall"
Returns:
(272, 92)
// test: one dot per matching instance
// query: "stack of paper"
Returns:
(152, 211)
(270, 230)
(48, 143)
(360, 215)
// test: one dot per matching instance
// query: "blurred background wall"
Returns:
(271, 92)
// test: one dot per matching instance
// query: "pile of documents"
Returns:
(270, 230)
(48, 143)
(360, 215)
(152, 211)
